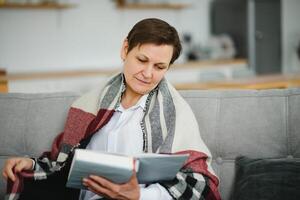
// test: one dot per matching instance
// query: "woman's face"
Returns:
(144, 66)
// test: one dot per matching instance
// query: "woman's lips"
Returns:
(144, 82)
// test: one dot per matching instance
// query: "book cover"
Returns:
(159, 167)
(118, 168)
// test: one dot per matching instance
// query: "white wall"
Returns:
(87, 36)
(290, 35)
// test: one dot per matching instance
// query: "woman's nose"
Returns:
(147, 72)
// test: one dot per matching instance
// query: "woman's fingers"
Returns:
(15, 165)
(20, 166)
(102, 181)
(8, 170)
(104, 187)
(97, 185)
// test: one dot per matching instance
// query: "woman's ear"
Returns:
(124, 49)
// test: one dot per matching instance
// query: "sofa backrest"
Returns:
(29, 123)
(254, 123)
(259, 124)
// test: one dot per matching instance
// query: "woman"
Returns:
(137, 111)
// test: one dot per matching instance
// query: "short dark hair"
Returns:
(155, 31)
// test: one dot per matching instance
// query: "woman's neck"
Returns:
(129, 99)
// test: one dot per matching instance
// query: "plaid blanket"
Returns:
(168, 126)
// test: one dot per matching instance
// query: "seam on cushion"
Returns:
(221, 95)
(216, 138)
(38, 98)
(217, 127)
(238, 97)
(286, 125)
(287, 128)
(26, 127)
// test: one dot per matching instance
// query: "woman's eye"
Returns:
(141, 60)
(160, 67)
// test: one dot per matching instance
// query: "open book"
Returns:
(119, 168)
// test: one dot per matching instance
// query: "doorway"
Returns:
(265, 35)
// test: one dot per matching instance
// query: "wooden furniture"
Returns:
(257, 82)
(209, 63)
(123, 4)
(107, 72)
(3, 81)
(74, 80)
(57, 74)
(8, 5)
(42, 81)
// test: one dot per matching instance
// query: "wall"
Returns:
(87, 36)
(90, 35)
(290, 35)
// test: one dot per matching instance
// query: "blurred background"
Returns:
(74, 45)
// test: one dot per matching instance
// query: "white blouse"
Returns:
(123, 134)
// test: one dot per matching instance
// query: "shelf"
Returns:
(105, 72)
(123, 4)
(3, 83)
(271, 81)
(35, 6)
(210, 63)
(57, 74)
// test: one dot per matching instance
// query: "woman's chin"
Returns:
(142, 91)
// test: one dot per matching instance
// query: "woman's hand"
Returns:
(15, 165)
(105, 188)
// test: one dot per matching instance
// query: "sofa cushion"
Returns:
(29, 122)
(2, 180)
(274, 179)
(254, 123)
(294, 125)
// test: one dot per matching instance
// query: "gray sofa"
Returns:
(262, 123)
